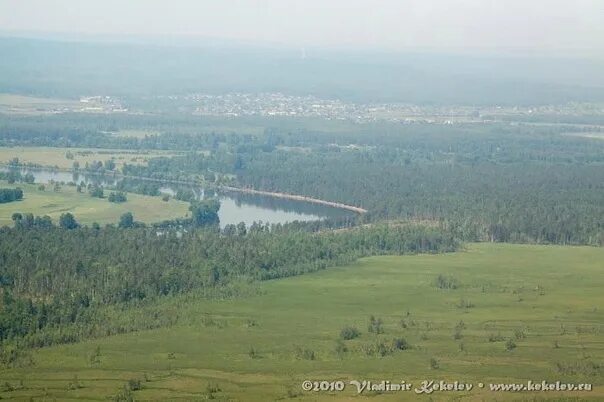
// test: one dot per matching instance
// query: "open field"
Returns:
(22, 104)
(88, 209)
(546, 300)
(48, 156)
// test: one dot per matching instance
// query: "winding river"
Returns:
(234, 207)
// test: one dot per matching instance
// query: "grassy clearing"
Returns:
(547, 300)
(12, 103)
(48, 156)
(88, 209)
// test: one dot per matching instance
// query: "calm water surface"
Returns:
(234, 207)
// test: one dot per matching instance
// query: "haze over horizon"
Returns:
(557, 27)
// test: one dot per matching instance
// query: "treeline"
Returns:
(10, 195)
(521, 202)
(540, 188)
(14, 175)
(490, 182)
(55, 278)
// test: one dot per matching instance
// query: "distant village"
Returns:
(282, 105)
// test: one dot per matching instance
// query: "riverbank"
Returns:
(287, 196)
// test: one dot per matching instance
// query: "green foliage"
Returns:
(375, 325)
(67, 221)
(96, 191)
(465, 304)
(253, 353)
(205, 213)
(310, 310)
(134, 384)
(138, 186)
(519, 333)
(446, 282)
(75, 383)
(492, 181)
(82, 269)
(340, 348)
(110, 164)
(348, 333)
(303, 353)
(185, 194)
(496, 337)
(510, 345)
(457, 335)
(117, 197)
(400, 344)
(10, 195)
(29, 178)
(125, 395)
(383, 348)
(126, 221)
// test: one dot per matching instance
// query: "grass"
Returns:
(22, 104)
(87, 209)
(546, 299)
(49, 156)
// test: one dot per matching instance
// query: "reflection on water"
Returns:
(282, 204)
(234, 207)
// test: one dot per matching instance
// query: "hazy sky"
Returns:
(545, 24)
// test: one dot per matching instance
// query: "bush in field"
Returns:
(117, 197)
(463, 303)
(376, 349)
(496, 337)
(340, 348)
(74, 384)
(253, 353)
(375, 325)
(134, 384)
(304, 353)
(400, 344)
(446, 282)
(96, 192)
(125, 395)
(348, 333)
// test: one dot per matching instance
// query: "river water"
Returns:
(234, 207)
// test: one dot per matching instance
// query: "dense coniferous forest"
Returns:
(56, 282)
(496, 184)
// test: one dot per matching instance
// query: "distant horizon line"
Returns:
(192, 40)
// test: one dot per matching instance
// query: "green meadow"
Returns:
(85, 208)
(57, 156)
(491, 313)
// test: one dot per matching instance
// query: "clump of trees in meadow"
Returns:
(117, 197)
(10, 195)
